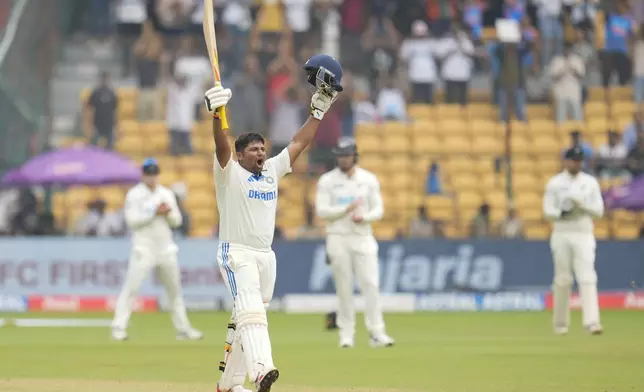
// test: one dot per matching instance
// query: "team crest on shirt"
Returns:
(260, 178)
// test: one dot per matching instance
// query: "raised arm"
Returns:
(320, 103)
(216, 98)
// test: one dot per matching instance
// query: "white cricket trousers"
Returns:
(574, 254)
(349, 254)
(142, 262)
(250, 276)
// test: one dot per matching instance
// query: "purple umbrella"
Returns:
(628, 197)
(75, 166)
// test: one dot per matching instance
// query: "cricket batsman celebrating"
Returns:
(151, 212)
(247, 191)
(348, 198)
(572, 199)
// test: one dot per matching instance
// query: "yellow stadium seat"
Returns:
(423, 127)
(372, 161)
(622, 216)
(127, 110)
(426, 144)
(537, 231)
(385, 232)
(519, 144)
(200, 198)
(129, 127)
(569, 126)
(518, 128)
(459, 164)
(465, 181)
(597, 126)
(400, 182)
(626, 231)
(595, 110)
(477, 111)
(488, 145)
(420, 111)
(394, 127)
(169, 176)
(539, 112)
(153, 127)
(456, 144)
(493, 181)
(602, 229)
(596, 94)
(202, 231)
(622, 122)
(469, 199)
(195, 162)
(480, 127)
(549, 166)
(621, 94)
(158, 144)
(129, 144)
(440, 207)
(484, 164)
(542, 127)
(398, 163)
(447, 111)
(497, 199)
(623, 108)
(527, 200)
(127, 93)
(369, 143)
(205, 144)
(543, 144)
(452, 126)
(166, 162)
(522, 164)
(531, 214)
(396, 143)
(522, 182)
(597, 141)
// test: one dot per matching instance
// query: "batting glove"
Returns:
(321, 102)
(217, 97)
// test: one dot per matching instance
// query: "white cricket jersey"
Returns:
(558, 205)
(336, 191)
(247, 202)
(148, 229)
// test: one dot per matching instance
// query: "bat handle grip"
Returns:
(221, 112)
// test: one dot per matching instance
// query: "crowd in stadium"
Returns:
(402, 59)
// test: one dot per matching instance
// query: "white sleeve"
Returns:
(404, 50)
(594, 203)
(551, 208)
(376, 205)
(138, 212)
(324, 208)
(174, 217)
(281, 163)
(222, 173)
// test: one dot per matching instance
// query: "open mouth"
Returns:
(260, 161)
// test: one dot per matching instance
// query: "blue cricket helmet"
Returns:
(150, 166)
(324, 71)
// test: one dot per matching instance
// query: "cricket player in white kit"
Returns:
(247, 191)
(572, 199)
(349, 199)
(151, 212)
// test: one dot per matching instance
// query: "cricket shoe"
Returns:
(382, 340)
(346, 343)
(561, 331)
(595, 329)
(119, 334)
(190, 334)
(265, 381)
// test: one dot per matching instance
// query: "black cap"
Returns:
(575, 154)
(345, 146)
(150, 166)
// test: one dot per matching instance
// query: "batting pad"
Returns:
(252, 326)
(561, 304)
(233, 365)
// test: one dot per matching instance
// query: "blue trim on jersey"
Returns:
(225, 246)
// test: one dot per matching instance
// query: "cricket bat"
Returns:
(211, 44)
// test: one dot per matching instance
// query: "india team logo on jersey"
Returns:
(260, 194)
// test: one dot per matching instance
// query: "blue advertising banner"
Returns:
(58, 266)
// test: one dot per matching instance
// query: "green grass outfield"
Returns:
(435, 352)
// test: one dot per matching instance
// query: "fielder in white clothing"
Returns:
(151, 212)
(572, 199)
(247, 191)
(349, 199)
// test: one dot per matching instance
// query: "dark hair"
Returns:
(247, 138)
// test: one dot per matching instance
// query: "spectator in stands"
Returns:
(583, 17)
(576, 140)
(100, 20)
(380, 43)
(180, 115)
(456, 51)
(586, 51)
(494, 66)
(282, 73)
(236, 16)
(611, 157)
(175, 15)
(100, 112)
(615, 56)
(418, 53)
(531, 38)
(309, 230)
(551, 29)
(148, 54)
(96, 222)
(511, 226)
(269, 30)
(9, 205)
(473, 18)
(25, 221)
(634, 131)
(391, 101)
(514, 9)
(638, 66)
(567, 72)
(286, 119)
(635, 159)
(440, 14)
(180, 192)
(298, 16)
(354, 21)
(423, 227)
(480, 227)
(512, 79)
(248, 109)
(194, 65)
(364, 111)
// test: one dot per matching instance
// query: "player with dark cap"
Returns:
(151, 212)
(572, 199)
